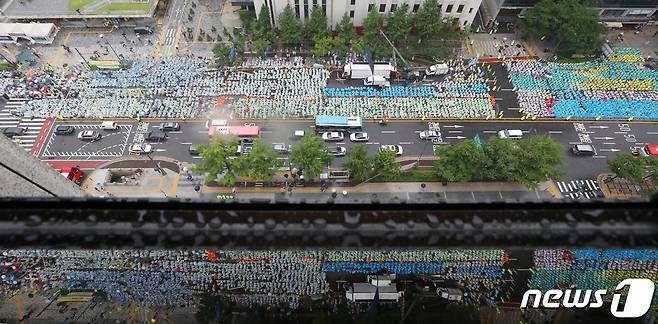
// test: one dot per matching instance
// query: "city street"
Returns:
(608, 138)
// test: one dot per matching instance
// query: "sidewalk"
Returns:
(620, 188)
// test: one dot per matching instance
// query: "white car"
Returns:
(359, 137)
(332, 136)
(89, 135)
(428, 135)
(510, 133)
(140, 149)
(249, 124)
(397, 149)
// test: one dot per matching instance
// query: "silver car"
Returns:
(332, 136)
(89, 135)
(397, 149)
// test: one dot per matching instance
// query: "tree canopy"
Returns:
(372, 35)
(428, 19)
(290, 27)
(259, 164)
(358, 162)
(397, 24)
(385, 164)
(526, 161)
(345, 29)
(316, 26)
(310, 155)
(216, 164)
(628, 167)
(574, 27)
(264, 17)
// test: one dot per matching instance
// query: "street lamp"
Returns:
(110, 45)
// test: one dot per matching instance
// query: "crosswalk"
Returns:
(577, 189)
(32, 126)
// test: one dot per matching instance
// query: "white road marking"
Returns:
(609, 150)
(455, 137)
(489, 132)
(406, 143)
(555, 132)
(388, 132)
(604, 138)
(652, 133)
(608, 143)
(186, 143)
(600, 157)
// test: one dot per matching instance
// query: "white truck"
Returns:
(437, 69)
(356, 70)
(376, 81)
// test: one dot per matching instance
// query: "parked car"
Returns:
(397, 149)
(428, 135)
(140, 149)
(282, 148)
(583, 149)
(156, 136)
(89, 135)
(337, 150)
(143, 30)
(13, 131)
(359, 137)
(64, 129)
(169, 127)
(332, 136)
(72, 173)
(247, 141)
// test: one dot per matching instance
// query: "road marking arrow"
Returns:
(609, 150)
(598, 126)
(456, 137)
(604, 138)
(454, 126)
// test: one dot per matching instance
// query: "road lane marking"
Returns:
(652, 133)
(388, 132)
(455, 131)
(186, 143)
(555, 132)
(621, 132)
(600, 157)
(489, 132)
(609, 150)
(604, 138)
(608, 143)
(406, 143)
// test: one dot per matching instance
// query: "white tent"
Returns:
(36, 33)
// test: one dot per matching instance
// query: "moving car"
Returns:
(143, 30)
(332, 136)
(337, 150)
(297, 134)
(109, 125)
(193, 149)
(64, 129)
(169, 127)
(140, 149)
(89, 135)
(510, 133)
(359, 137)
(247, 141)
(72, 173)
(155, 136)
(428, 135)
(583, 149)
(13, 131)
(281, 148)
(397, 149)
(647, 150)
(249, 124)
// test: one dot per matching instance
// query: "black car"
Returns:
(169, 127)
(156, 136)
(64, 130)
(13, 131)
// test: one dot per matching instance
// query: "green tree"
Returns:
(316, 27)
(502, 161)
(291, 28)
(310, 155)
(260, 45)
(322, 46)
(339, 45)
(372, 35)
(397, 24)
(652, 168)
(264, 17)
(222, 53)
(574, 27)
(462, 162)
(539, 156)
(358, 162)
(260, 164)
(216, 164)
(385, 164)
(345, 29)
(428, 19)
(628, 167)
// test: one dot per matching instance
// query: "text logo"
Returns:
(638, 298)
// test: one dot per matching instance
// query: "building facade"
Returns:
(357, 10)
(618, 11)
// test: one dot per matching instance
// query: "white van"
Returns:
(376, 80)
(109, 125)
(510, 133)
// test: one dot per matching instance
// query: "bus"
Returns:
(338, 124)
(239, 131)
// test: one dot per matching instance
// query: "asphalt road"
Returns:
(608, 138)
